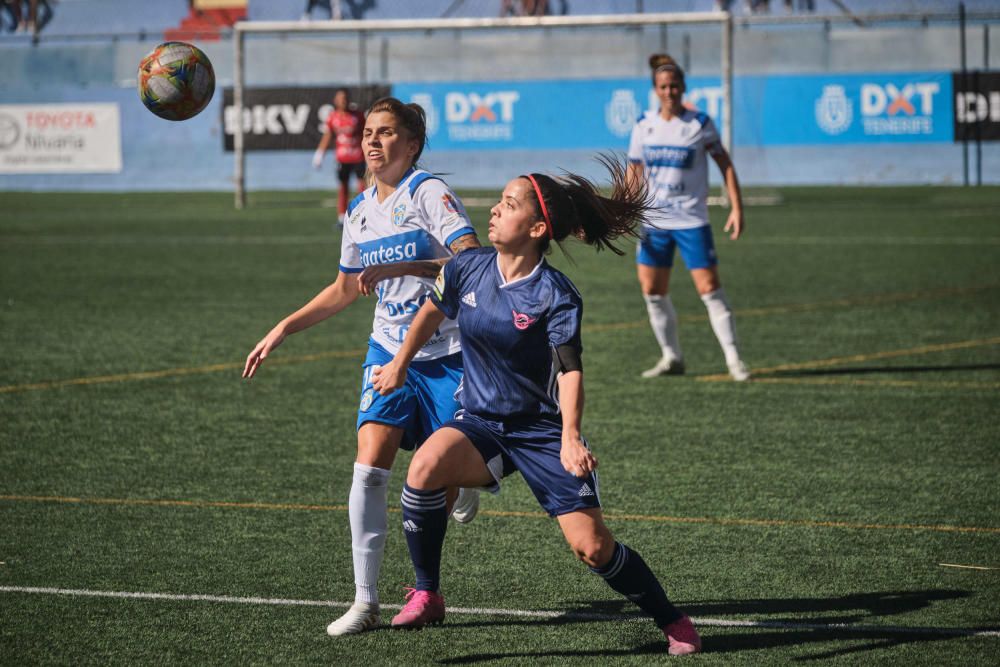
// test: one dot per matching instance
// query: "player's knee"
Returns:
(594, 550)
(706, 281)
(654, 286)
(421, 472)
(427, 471)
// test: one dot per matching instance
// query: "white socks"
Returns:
(367, 508)
(663, 319)
(721, 317)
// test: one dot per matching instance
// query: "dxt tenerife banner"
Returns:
(774, 110)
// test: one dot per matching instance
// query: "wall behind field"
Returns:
(565, 82)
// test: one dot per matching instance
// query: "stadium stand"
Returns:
(171, 19)
(175, 19)
(109, 17)
(268, 10)
(206, 20)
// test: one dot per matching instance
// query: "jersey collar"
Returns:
(409, 172)
(531, 275)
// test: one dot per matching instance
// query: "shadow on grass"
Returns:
(772, 614)
(872, 370)
(854, 607)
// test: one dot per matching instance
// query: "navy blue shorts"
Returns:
(421, 405)
(696, 245)
(531, 447)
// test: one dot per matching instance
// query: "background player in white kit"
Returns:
(668, 149)
(398, 235)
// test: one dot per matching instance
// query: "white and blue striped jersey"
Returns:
(508, 331)
(418, 221)
(674, 161)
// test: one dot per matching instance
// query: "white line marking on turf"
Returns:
(152, 239)
(748, 200)
(873, 240)
(329, 239)
(522, 613)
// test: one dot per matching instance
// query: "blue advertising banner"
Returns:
(526, 114)
(902, 107)
(775, 110)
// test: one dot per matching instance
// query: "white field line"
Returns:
(522, 613)
(148, 239)
(873, 240)
(748, 200)
(332, 239)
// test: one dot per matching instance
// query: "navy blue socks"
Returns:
(628, 574)
(425, 520)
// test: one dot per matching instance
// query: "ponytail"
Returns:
(571, 205)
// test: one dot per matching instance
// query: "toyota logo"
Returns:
(10, 131)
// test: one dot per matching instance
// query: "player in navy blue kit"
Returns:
(522, 393)
(397, 236)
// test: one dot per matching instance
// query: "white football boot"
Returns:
(739, 371)
(665, 366)
(466, 505)
(357, 619)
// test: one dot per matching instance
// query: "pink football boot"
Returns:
(421, 608)
(681, 637)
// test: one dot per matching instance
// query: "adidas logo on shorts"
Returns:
(469, 299)
(585, 490)
(411, 527)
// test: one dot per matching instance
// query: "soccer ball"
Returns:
(176, 81)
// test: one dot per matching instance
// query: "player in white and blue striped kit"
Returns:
(397, 236)
(522, 393)
(669, 150)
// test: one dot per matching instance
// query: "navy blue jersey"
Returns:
(508, 331)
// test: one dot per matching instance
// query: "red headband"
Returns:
(541, 204)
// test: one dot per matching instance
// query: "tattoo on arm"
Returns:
(427, 268)
(465, 242)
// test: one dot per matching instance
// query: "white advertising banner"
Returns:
(60, 138)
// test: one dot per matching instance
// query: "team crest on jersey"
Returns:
(367, 398)
(450, 204)
(399, 214)
(522, 320)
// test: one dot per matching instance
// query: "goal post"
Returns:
(511, 29)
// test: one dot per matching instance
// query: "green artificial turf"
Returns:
(819, 500)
